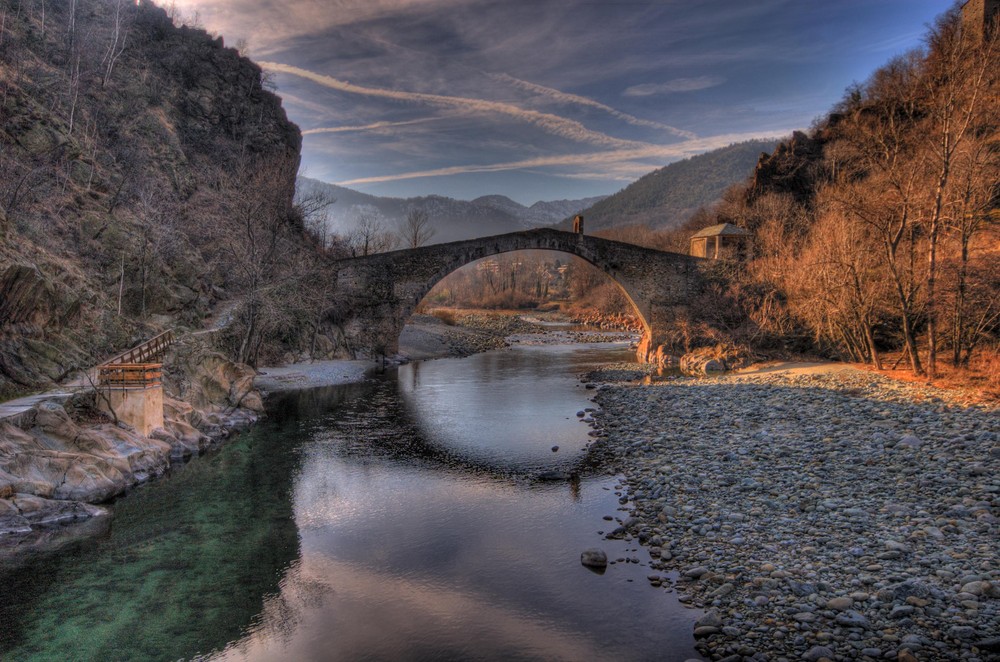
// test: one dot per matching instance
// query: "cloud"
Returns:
(553, 124)
(375, 126)
(663, 153)
(675, 85)
(272, 23)
(565, 97)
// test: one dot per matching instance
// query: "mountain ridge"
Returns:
(452, 219)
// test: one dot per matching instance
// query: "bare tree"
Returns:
(371, 236)
(957, 75)
(417, 229)
(259, 243)
(116, 46)
(877, 183)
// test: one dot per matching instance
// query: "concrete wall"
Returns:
(142, 408)
(378, 293)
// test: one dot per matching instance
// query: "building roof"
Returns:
(722, 230)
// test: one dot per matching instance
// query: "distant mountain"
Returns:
(452, 219)
(665, 198)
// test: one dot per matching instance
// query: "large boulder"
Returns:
(209, 380)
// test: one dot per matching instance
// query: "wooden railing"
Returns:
(149, 350)
(130, 375)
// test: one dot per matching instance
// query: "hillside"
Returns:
(877, 232)
(665, 198)
(122, 141)
(452, 219)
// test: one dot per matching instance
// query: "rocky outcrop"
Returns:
(54, 470)
(110, 214)
(27, 299)
(792, 168)
(207, 380)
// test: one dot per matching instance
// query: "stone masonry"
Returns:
(378, 293)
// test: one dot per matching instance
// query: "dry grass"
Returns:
(447, 315)
(979, 382)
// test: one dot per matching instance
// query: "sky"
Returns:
(550, 99)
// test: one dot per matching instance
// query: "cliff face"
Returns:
(120, 137)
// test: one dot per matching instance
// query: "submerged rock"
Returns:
(594, 558)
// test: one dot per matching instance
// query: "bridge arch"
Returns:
(379, 292)
(495, 248)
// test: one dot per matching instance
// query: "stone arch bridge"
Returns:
(378, 293)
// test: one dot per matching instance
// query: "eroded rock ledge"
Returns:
(69, 456)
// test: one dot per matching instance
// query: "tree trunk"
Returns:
(870, 339)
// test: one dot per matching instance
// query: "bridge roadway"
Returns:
(377, 293)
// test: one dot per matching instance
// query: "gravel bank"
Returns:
(834, 515)
(312, 375)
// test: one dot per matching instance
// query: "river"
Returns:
(397, 519)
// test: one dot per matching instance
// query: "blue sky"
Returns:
(550, 99)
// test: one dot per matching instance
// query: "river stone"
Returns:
(840, 604)
(963, 632)
(992, 644)
(594, 558)
(817, 652)
(710, 619)
(852, 619)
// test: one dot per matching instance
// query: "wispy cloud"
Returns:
(271, 23)
(566, 97)
(375, 126)
(663, 153)
(553, 124)
(675, 85)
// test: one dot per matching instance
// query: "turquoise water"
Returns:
(399, 519)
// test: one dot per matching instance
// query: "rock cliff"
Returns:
(118, 139)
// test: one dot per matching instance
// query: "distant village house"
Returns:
(722, 242)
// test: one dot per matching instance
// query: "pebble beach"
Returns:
(817, 514)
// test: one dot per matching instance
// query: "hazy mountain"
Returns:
(667, 197)
(452, 219)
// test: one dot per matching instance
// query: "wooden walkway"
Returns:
(20, 410)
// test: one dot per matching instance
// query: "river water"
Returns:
(398, 519)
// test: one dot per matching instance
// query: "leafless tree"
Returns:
(958, 74)
(118, 40)
(878, 185)
(417, 229)
(371, 236)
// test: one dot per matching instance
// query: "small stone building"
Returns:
(722, 242)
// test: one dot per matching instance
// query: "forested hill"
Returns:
(879, 230)
(665, 198)
(126, 145)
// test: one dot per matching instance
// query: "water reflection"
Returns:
(357, 523)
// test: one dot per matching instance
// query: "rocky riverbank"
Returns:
(460, 334)
(67, 456)
(835, 515)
